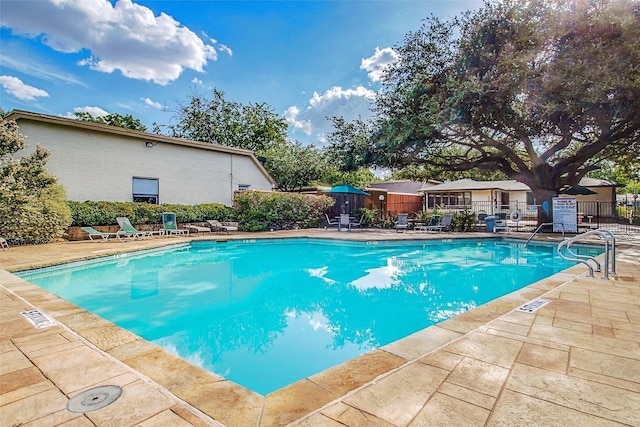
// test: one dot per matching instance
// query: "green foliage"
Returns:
(114, 119)
(253, 127)
(92, 213)
(424, 172)
(360, 178)
(348, 147)
(32, 204)
(293, 165)
(540, 91)
(464, 220)
(258, 211)
(369, 216)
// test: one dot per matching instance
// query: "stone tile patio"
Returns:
(575, 361)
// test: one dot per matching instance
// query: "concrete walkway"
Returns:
(574, 361)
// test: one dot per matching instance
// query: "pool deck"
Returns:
(574, 361)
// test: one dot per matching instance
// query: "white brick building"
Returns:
(98, 162)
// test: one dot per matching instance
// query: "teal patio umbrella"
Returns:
(347, 189)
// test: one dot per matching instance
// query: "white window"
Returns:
(145, 190)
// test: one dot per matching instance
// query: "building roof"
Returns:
(470, 184)
(507, 185)
(402, 187)
(134, 134)
(595, 182)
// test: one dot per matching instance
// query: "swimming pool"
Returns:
(267, 313)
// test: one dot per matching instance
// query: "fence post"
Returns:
(598, 213)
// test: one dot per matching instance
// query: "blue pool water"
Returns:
(268, 313)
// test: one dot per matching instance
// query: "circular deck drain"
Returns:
(94, 398)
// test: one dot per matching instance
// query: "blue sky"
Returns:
(306, 59)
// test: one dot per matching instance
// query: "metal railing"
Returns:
(609, 252)
(542, 225)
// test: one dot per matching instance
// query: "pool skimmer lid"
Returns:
(533, 306)
(94, 398)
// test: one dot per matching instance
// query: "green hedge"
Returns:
(92, 213)
(255, 211)
(258, 211)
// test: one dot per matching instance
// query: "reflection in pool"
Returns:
(268, 313)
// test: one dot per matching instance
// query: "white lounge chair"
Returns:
(93, 234)
(3, 243)
(217, 226)
(129, 230)
(198, 229)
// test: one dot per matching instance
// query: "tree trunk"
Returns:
(545, 205)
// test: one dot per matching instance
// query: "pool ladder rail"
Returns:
(609, 240)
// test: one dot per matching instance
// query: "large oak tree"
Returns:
(539, 90)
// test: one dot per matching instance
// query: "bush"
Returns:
(105, 213)
(369, 216)
(258, 211)
(40, 218)
(464, 220)
(32, 204)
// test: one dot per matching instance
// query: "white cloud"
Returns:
(20, 90)
(376, 64)
(196, 80)
(292, 114)
(94, 111)
(154, 104)
(222, 47)
(125, 36)
(312, 120)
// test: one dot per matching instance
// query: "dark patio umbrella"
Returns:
(577, 190)
(347, 189)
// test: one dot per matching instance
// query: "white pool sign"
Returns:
(565, 211)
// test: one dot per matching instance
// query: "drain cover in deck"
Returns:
(94, 398)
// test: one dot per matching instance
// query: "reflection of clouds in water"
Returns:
(320, 273)
(379, 278)
(316, 319)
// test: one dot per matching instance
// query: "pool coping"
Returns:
(234, 405)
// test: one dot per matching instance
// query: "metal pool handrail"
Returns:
(542, 225)
(609, 250)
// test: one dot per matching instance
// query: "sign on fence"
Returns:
(565, 211)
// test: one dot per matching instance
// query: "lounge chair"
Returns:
(129, 230)
(217, 226)
(444, 225)
(93, 234)
(331, 222)
(434, 221)
(170, 225)
(345, 222)
(403, 222)
(198, 229)
(3, 243)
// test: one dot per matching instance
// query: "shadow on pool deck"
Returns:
(574, 361)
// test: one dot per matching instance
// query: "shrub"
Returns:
(258, 211)
(464, 220)
(105, 213)
(32, 204)
(369, 216)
